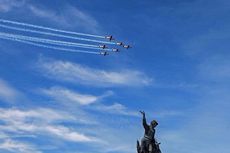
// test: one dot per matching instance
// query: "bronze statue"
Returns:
(148, 142)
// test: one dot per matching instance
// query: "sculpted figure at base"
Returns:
(148, 142)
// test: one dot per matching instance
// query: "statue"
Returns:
(148, 142)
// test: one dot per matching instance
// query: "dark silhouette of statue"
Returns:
(148, 142)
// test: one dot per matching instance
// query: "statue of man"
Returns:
(149, 136)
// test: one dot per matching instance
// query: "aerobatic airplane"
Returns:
(127, 46)
(119, 43)
(115, 50)
(104, 53)
(103, 46)
(109, 37)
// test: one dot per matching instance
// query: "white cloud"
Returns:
(67, 134)
(92, 102)
(19, 147)
(67, 16)
(8, 5)
(70, 16)
(7, 92)
(103, 135)
(42, 114)
(66, 95)
(115, 108)
(40, 122)
(79, 74)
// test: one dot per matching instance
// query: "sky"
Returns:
(178, 72)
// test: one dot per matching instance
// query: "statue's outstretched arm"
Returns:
(144, 122)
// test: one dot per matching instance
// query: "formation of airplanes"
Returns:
(111, 38)
(104, 45)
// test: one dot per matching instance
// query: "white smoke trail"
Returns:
(49, 47)
(37, 39)
(48, 28)
(49, 41)
(53, 34)
(39, 32)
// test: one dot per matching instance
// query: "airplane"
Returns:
(119, 43)
(115, 50)
(109, 37)
(127, 46)
(103, 46)
(104, 53)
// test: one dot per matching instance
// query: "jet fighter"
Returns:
(127, 46)
(103, 46)
(104, 53)
(109, 37)
(120, 43)
(115, 50)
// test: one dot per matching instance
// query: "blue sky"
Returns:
(178, 71)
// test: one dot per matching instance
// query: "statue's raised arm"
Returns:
(144, 122)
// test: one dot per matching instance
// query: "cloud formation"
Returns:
(79, 74)
(69, 96)
(115, 108)
(8, 5)
(8, 93)
(89, 101)
(68, 16)
(39, 122)
(19, 147)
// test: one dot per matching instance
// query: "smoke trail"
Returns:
(49, 47)
(44, 40)
(51, 29)
(40, 32)
(49, 41)
(53, 34)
